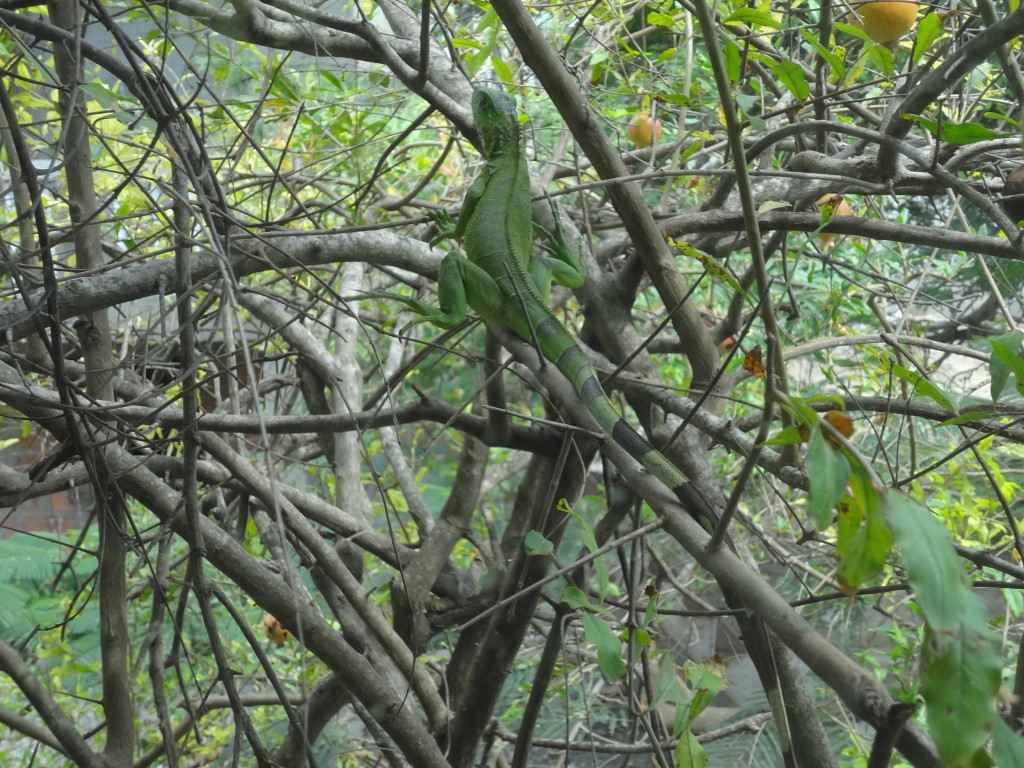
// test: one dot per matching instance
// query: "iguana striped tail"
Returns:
(560, 348)
(568, 356)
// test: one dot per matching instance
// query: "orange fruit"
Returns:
(643, 130)
(839, 208)
(884, 21)
(277, 634)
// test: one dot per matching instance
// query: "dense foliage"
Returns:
(302, 532)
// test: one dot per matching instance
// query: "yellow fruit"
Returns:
(643, 130)
(884, 21)
(277, 634)
(839, 208)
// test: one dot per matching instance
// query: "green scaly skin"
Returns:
(505, 283)
(502, 279)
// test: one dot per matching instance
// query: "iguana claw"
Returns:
(445, 225)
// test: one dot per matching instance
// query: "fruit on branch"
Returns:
(885, 21)
(277, 634)
(830, 206)
(643, 130)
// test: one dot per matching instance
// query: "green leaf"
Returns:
(704, 683)
(502, 70)
(1007, 746)
(859, 65)
(604, 585)
(487, 31)
(956, 676)
(689, 753)
(733, 60)
(863, 540)
(26, 559)
(961, 664)
(101, 94)
(957, 133)
(932, 565)
(833, 59)
(535, 544)
(786, 436)
(752, 17)
(466, 42)
(656, 19)
(791, 75)
(651, 611)
(880, 56)
(1005, 118)
(609, 647)
(747, 103)
(576, 598)
(922, 385)
(668, 688)
(694, 147)
(802, 412)
(965, 418)
(928, 30)
(933, 568)
(15, 611)
(589, 540)
(284, 87)
(641, 638)
(1004, 361)
(827, 397)
(829, 471)
(708, 263)
(331, 78)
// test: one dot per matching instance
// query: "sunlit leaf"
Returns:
(923, 385)
(928, 30)
(752, 17)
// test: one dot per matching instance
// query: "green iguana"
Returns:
(506, 284)
(502, 279)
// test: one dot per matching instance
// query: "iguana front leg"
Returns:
(454, 230)
(446, 226)
(459, 284)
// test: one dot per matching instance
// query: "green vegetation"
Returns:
(254, 522)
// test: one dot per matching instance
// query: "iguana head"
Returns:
(494, 112)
